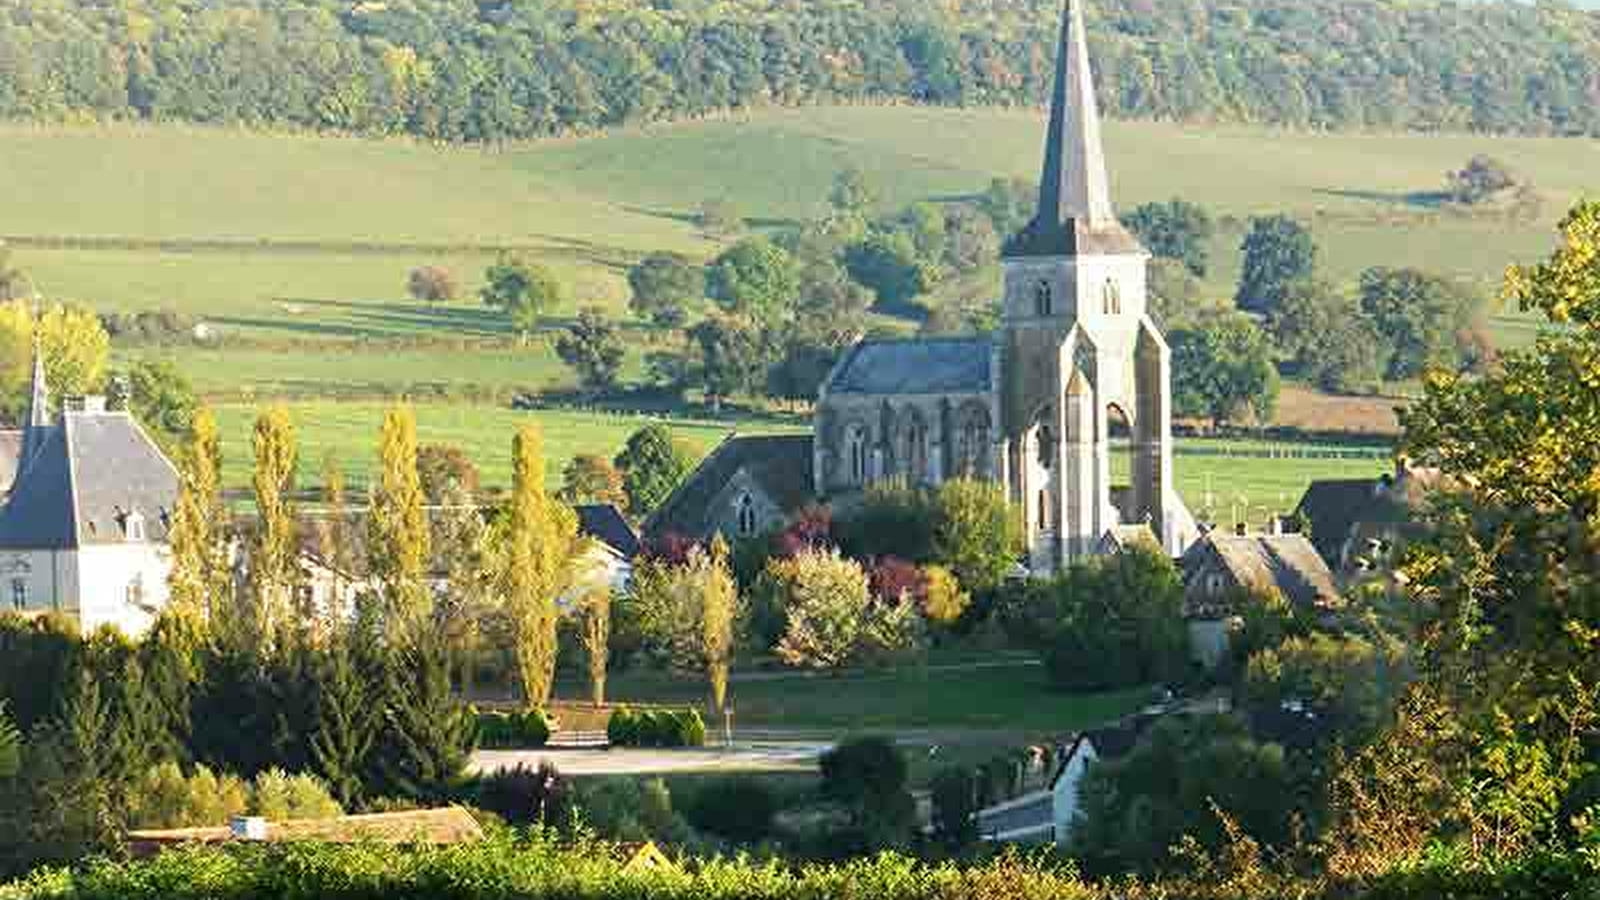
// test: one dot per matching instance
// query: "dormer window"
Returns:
(1043, 299)
(133, 527)
(135, 592)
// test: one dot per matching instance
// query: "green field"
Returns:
(1014, 696)
(350, 217)
(295, 248)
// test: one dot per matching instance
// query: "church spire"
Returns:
(1074, 185)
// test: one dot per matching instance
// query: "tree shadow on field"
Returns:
(1430, 200)
(689, 218)
(479, 321)
(317, 328)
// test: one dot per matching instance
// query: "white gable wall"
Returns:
(1068, 788)
(49, 579)
(105, 573)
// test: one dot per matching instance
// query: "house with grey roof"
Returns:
(84, 528)
(1076, 374)
(1221, 565)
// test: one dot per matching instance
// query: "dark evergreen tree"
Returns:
(427, 737)
(348, 719)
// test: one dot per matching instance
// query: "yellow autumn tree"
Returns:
(398, 530)
(541, 537)
(200, 580)
(274, 567)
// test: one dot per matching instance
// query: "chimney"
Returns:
(92, 403)
(248, 828)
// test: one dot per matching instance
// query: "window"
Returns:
(856, 447)
(1043, 299)
(1113, 298)
(1047, 447)
(19, 593)
(136, 591)
(747, 516)
(1044, 511)
(1214, 584)
(133, 526)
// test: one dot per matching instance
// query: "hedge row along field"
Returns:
(533, 867)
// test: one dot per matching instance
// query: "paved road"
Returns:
(742, 757)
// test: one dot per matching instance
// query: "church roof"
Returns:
(86, 475)
(605, 524)
(922, 366)
(781, 465)
(1075, 216)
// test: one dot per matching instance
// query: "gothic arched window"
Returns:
(1043, 299)
(747, 515)
(1044, 510)
(1113, 298)
(1047, 446)
(855, 441)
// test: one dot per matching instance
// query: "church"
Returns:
(1076, 376)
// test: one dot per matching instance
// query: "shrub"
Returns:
(656, 728)
(501, 730)
(739, 809)
(281, 797)
(523, 795)
(622, 730)
(433, 284)
(955, 807)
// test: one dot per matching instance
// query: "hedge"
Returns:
(513, 730)
(656, 728)
(533, 866)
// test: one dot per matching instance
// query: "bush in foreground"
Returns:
(534, 867)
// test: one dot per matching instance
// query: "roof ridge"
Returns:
(72, 480)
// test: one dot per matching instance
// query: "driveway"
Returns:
(741, 757)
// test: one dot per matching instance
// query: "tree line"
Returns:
(460, 70)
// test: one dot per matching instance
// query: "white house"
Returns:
(84, 527)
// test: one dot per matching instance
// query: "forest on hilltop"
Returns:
(492, 70)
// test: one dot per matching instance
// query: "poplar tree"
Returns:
(200, 580)
(398, 530)
(540, 538)
(718, 609)
(272, 554)
(333, 540)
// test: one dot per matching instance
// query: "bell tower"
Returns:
(1078, 354)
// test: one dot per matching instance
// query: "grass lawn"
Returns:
(1010, 698)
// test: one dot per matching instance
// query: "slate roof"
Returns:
(87, 474)
(924, 366)
(1286, 562)
(781, 465)
(605, 523)
(1332, 507)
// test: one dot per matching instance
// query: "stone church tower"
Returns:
(1083, 369)
(1076, 378)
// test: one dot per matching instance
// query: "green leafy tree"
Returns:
(1421, 318)
(1177, 230)
(397, 530)
(755, 278)
(162, 399)
(10, 745)
(1223, 367)
(832, 616)
(523, 290)
(653, 463)
(735, 356)
(1328, 338)
(689, 612)
(977, 532)
(666, 286)
(1174, 293)
(1278, 252)
(593, 347)
(868, 776)
(1115, 623)
(890, 264)
(1480, 180)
